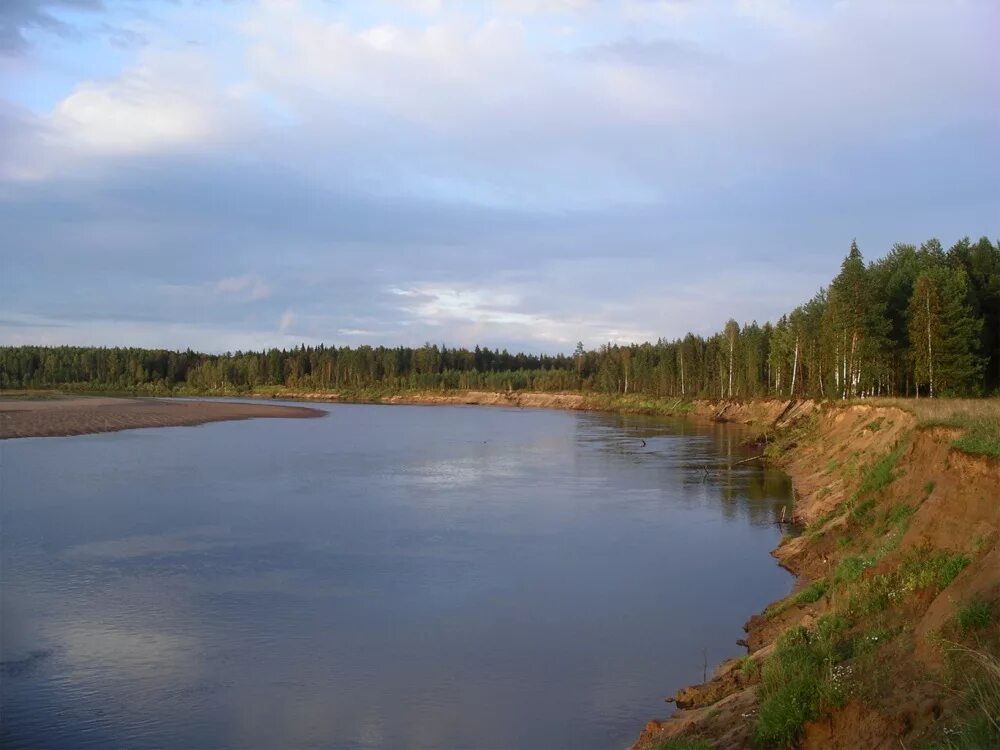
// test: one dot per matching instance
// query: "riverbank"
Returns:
(66, 415)
(898, 599)
(892, 636)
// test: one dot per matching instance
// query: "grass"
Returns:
(981, 437)
(978, 418)
(797, 682)
(811, 593)
(880, 474)
(974, 614)
(682, 743)
(922, 569)
(850, 569)
(749, 667)
(979, 723)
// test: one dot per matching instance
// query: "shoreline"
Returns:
(881, 497)
(85, 415)
(880, 490)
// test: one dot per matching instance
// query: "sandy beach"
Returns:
(86, 414)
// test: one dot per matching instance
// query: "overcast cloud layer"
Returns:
(520, 173)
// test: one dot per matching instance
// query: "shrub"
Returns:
(683, 743)
(974, 615)
(796, 683)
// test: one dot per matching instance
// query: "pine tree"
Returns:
(944, 333)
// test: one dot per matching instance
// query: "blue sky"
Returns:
(227, 174)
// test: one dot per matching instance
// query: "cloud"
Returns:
(20, 16)
(249, 286)
(479, 172)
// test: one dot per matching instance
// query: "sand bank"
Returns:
(82, 415)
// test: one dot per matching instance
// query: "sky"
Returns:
(242, 174)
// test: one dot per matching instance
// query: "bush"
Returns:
(796, 683)
(974, 615)
(683, 743)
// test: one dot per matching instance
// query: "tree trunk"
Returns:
(730, 367)
(795, 366)
(930, 350)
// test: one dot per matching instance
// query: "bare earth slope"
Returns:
(78, 416)
(902, 535)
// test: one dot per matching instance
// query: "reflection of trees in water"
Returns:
(702, 465)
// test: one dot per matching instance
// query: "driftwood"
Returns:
(748, 460)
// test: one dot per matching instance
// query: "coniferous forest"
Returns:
(920, 321)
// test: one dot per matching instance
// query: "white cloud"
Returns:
(129, 116)
(248, 286)
(472, 313)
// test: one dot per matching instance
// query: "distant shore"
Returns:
(80, 415)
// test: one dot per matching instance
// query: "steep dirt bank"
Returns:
(763, 412)
(899, 560)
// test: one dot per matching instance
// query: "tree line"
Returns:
(920, 321)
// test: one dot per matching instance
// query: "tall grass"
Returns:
(978, 418)
(980, 723)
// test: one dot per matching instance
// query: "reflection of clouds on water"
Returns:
(133, 649)
(463, 471)
(143, 545)
(366, 584)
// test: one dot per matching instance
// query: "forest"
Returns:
(919, 321)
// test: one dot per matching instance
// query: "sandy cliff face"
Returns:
(890, 511)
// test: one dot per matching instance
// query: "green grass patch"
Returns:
(850, 569)
(811, 593)
(935, 568)
(682, 743)
(981, 437)
(749, 668)
(797, 682)
(881, 472)
(862, 512)
(922, 569)
(974, 614)
(977, 725)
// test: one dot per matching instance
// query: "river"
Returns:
(385, 577)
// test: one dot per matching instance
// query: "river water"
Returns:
(384, 577)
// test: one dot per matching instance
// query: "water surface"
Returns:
(385, 577)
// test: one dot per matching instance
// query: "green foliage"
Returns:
(975, 614)
(861, 513)
(982, 436)
(749, 667)
(850, 569)
(682, 743)
(922, 569)
(880, 474)
(935, 568)
(811, 593)
(797, 682)
(978, 725)
(857, 337)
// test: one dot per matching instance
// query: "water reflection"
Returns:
(384, 577)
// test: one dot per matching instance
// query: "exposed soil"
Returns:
(81, 415)
(952, 501)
